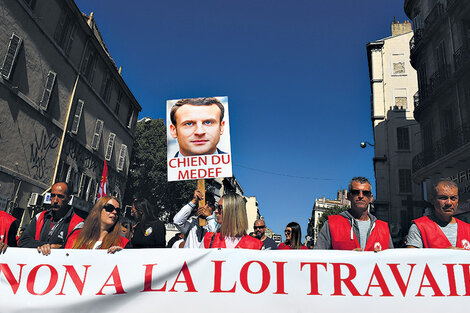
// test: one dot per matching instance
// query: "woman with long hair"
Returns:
(231, 216)
(149, 232)
(293, 237)
(101, 229)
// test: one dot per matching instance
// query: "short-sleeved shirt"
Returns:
(414, 235)
(269, 244)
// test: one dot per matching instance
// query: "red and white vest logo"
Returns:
(377, 246)
(465, 244)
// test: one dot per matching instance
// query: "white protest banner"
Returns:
(235, 280)
(198, 136)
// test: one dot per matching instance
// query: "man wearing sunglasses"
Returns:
(259, 230)
(355, 229)
(50, 228)
(441, 229)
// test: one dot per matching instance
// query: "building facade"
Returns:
(252, 212)
(393, 83)
(321, 205)
(440, 52)
(64, 107)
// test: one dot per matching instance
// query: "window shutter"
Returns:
(122, 157)
(46, 96)
(68, 46)
(109, 149)
(10, 57)
(97, 136)
(77, 117)
(130, 117)
(81, 185)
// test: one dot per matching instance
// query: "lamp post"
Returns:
(365, 143)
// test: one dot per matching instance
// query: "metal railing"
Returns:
(453, 140)
(438, 77)
(462, 56)
(416, 99)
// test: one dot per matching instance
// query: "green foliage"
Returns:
(331, 211)
(148, 172)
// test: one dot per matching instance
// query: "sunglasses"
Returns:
(365, 193)
(288, 232)
(58, 195)
(110, 208)
(219, 207)
(445, 198)
(258, 227)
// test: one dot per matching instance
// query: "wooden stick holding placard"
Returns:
(201, 186)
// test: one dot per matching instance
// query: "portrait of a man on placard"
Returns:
(197, 124)
(198, 138)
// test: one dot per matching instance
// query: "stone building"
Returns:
(321, 205)
(64, 107)
(440, 53)
(393, 83)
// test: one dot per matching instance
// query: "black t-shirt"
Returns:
(149, 235)
(269, 244)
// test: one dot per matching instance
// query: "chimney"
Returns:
(400, 28)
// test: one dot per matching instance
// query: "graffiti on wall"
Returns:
(40, 148)
(82, 156)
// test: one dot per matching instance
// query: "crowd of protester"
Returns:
(224, 225)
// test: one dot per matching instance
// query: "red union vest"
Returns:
(40, 223)
(433, 237)
(71, 240)
(340, 230)
(5, 222)
(247, 242)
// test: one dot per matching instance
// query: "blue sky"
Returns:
(296, 77)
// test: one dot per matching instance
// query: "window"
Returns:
(398, 64)
(46, 95)
(118, 102)
(109, 149)
(400, 98)
(447, 122)
(130, 116)
(90, 191)
(97, 135)
(77, 116)
(65, 30)
(106, 88)
(84, 180)
(422, 81)
(64, 171)
(440, 56)
(403, 138)
(404, 180)
(89, 63)
(122, 157)
(10, 58)
(427, 133)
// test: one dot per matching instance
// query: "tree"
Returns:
(330, 211)
(148, 172)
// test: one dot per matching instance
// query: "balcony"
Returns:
(438, 77)
(416, 99)
(442, 147)
(434, 15)
(414, 43)
(462, 56)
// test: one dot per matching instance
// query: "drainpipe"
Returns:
(64, 133)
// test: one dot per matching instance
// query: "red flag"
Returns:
(104, 181)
